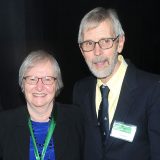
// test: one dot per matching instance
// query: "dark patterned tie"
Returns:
(103, 119)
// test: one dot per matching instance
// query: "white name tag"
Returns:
(123, 131)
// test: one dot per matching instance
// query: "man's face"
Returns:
(102, 62)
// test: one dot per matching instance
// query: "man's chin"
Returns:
(100, 74)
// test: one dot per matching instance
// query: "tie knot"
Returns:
(104, 91)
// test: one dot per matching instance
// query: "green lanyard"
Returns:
(47, 140)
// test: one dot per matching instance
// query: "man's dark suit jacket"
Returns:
(15, 135)
(138, 104)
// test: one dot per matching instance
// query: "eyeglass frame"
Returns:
(113, 40)
(37, 79)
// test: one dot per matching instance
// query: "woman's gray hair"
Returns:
(35, 57)
(93, 18)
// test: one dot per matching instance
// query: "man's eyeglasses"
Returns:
(104, 43)
(48, 80)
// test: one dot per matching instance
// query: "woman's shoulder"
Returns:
(67, 112)
(66, 107)
(11, 115)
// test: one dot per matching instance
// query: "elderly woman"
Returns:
(43, 129)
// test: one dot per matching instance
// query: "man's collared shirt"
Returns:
(114, 85)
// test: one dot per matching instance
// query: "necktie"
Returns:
(103, 120)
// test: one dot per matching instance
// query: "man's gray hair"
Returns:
(93, 18)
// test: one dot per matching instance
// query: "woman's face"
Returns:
(40, 94)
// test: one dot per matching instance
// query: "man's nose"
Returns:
(97, 49)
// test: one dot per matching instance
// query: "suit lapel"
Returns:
(126, 100)
(91, 101)
(61, 134)
(22, 142)
(92, 115)
(60, 142)
(22, 135)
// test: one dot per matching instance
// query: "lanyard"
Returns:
(47, 140)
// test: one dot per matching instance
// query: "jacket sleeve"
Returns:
(154, 122)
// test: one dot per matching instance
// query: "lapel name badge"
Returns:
(123, 131)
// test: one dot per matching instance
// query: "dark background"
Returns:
(26, 25)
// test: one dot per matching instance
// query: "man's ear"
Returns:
(81, 50)
(120, 43)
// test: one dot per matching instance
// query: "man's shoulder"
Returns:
(63, 107)
(67, 112)
(142, 74)
(141, 77)
(86, 81)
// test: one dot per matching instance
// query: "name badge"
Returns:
(123, 131)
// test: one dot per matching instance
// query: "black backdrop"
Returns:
(27, 25)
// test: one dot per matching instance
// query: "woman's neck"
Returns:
(40, 114)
